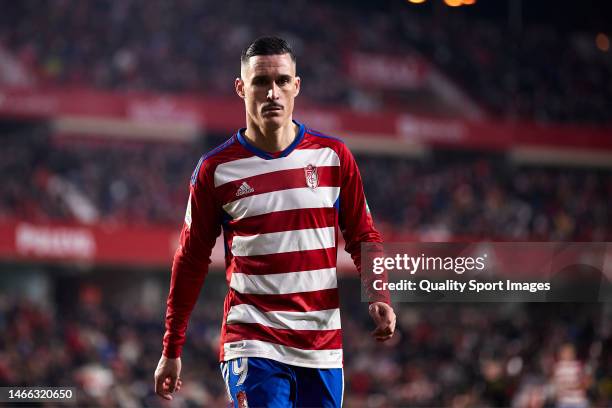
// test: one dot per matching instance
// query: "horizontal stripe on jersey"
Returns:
(286, 241)
(289, 355)
(286, 262)
(295, 198)
(292, 302)
(252, 166)
(304, 339)
(284, 283)
(303, 218)
(313, 320)
(275, 181)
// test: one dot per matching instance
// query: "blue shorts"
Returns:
(260, 382)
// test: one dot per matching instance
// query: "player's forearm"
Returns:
(357, 238)
(371, 250)
(185, 285)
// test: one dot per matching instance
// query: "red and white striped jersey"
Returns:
(280, 215)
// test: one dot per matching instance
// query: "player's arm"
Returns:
(357, 228)
(189, 268)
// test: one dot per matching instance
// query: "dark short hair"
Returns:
(267, 46)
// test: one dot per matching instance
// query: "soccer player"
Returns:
(570, 379)
(279, 192)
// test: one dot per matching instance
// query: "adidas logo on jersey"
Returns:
(244, 189)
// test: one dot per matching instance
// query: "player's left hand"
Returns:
(167, 377)
(384, 317)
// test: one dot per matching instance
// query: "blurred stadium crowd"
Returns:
(476, 355)
(191, 46)
(89, 181)
(451, 194)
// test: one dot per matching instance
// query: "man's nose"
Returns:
(273, 92)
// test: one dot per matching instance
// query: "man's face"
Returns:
(268, 85)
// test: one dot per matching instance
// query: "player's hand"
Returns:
(167, 377)
(384, 317)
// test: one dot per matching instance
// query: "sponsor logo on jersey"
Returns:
(244, 189)
(239, 345)
(312, 178)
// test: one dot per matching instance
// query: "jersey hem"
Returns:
(299, 363)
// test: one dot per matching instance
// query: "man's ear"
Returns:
(239, 86)
(298, 83)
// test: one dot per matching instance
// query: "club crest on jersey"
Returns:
(242, 399)
(312, 178)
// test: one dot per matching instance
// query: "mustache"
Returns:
(272, 105)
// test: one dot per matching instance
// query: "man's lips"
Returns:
(272, 108)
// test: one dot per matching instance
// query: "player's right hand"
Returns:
(167, 377)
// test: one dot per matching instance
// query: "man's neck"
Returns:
(271, 140)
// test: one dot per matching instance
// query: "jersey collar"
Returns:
(265, 155)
